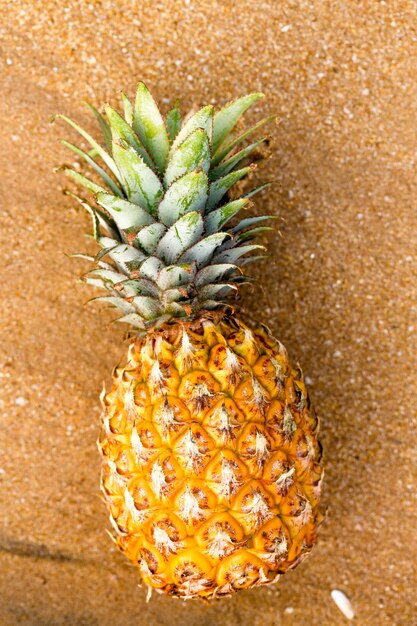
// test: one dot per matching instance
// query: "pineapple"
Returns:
(211, 466)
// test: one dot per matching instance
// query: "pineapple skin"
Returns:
(211, 465)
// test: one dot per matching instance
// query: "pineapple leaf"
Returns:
(137, 287)
(211, 292)
(92, 259)
(147, 238)
(202, 119)
(219, 187)
(223, 151)
(120, 130)
(209, 305)
(106, 275)
(186, 231)
(147, 307)
(98, 215)
(250, 234)
(93, 214)
(226, 119)
(93, 143)
(124, 253)
(84, 182)
(226, 166)
(117, 302)
(245, 280)
(133, 319)
(202, 251)
(175, 309)
(100, 171)
(82, 255)
(162, 221)
(251, 221)
(103, 125)
(188, 193)
(97, 282)
(127, 109)
(218, 218)
(192, 154)
(212, 273)
(150, 127)
(175, 276)
(253, 259)
(151, 268)
(257, 189)
(173, 121)
(233, 254)
(107, 245)
(142, 185)
(174, 295)
(125, 213)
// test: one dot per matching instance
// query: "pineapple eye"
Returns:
(240, 570)
(149, 561)
(190, 566)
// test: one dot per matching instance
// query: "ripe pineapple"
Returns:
(211, 464)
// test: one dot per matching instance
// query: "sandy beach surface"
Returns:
(339, 289)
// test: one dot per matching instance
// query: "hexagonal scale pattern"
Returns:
(211, 462)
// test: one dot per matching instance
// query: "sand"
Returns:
(340, 290)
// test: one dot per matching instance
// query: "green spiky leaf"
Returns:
(226, 119)
(253, 259)
(150, 127)
(84, 182)
(221, 186)
(233, 254)
(93, 143)
(100, 171)
(171, 251)
(256, 190)
(202, 251)
(120, 130)
(214, 273)
(103, 125)
(123, 253)
(210, 292)
(109, 275)
(173, 121)
(151, 268)
(127, 215)
(127, 109)
(141, 184)
(138, 287)
(226, 166)
(218, 218)
(251, 221)
(100, 219)
(148, 238)
(188, 193)
(186, 231)
(254, 232)
(175, 295)
(192, 154)
(202, 119)
(225, 149)
(119, 303)
(175, 276)
(148, 308)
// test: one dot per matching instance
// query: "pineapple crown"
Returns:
(161, 214)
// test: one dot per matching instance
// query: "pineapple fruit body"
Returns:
(211, 464)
